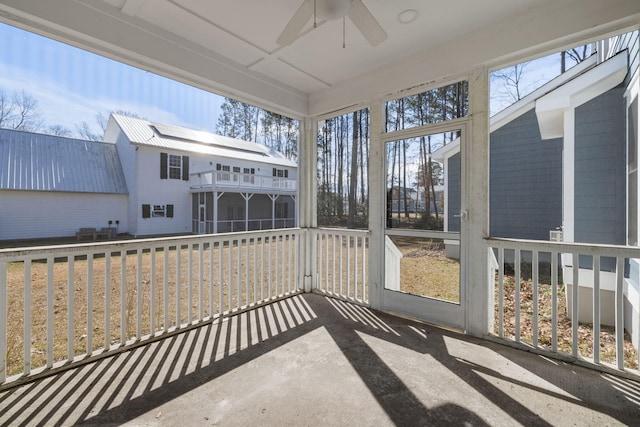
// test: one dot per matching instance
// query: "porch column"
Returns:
(216, 196)
(246, 197)
(377, 207)
(273, 198)
(479, 298)
(306, 207)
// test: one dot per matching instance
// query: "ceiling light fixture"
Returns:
(408, 16)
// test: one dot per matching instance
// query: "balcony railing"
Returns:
(222, 180)
(63, 305)
(341, 263)
(542, 288)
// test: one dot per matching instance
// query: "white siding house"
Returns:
(184, 181)
(144, 179)
(51, 186)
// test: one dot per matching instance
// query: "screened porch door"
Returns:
(424, 228)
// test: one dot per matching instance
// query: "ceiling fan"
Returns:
(331, 10)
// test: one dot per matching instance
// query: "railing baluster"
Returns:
(200, 281)
(139, 294)
(70, 308)
(355, 268)
(50, 314)
(220, 276)
(270, 252)
(27, 316)
(596, 308)
(152, 273)
(107, 300)
(348, 248)
(334, 257)
(296, 250)
(325, 262)
(534, 273)
(365, 244)
(340, 264)
(263, 242)
(123, 297)
(189, 283)
(289, 261)
(501, 292)
(3, 321)
(165, 288)
(239, 274)
(247, 258)
(178, 285)
(89, 304)
(517, 293)
(255, 270)
(575, 309)
(277, 265)
(230, 281)
(619, 313)
(554, 302)
(211, 279)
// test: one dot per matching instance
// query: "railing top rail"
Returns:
(564, 247)
(343, 231)
(134, 244)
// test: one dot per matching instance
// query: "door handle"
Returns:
(462, 215)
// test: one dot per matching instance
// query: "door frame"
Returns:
(435, 311)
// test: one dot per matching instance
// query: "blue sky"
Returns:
(72, 85)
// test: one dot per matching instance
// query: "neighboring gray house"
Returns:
(51, 186)
(564, 159)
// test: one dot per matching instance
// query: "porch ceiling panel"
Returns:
(229, 47)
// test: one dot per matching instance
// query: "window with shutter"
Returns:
(185, 168)
(164, 166)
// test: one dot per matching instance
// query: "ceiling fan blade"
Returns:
(366, 23)
(295, 25)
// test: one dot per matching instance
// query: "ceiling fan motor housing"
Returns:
(332, 9)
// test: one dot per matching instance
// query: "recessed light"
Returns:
(408, 16)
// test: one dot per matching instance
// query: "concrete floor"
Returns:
(313, 361)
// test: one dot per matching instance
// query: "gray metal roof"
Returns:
(36, 162)
(144, 132)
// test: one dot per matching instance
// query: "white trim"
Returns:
(525, 104)
(550, 108)
(568, 176)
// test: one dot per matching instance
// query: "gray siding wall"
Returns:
(525, 181)
(453, 181)
(600, 170)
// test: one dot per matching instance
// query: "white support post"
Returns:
(246, 197)
(478, 298)
(273, 198)
(377, 210)
(216, 197)
(306, 203)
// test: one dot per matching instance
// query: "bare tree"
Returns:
(20, 111)
(59, 130)
(511, 86)
(577, 54)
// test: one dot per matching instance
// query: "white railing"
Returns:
(536, 301)
(213, 180)
(62, 305)
(236, 225)
(340, 263)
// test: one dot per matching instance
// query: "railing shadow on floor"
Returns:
(137, 382)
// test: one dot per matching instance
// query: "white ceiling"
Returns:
(229, 46)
